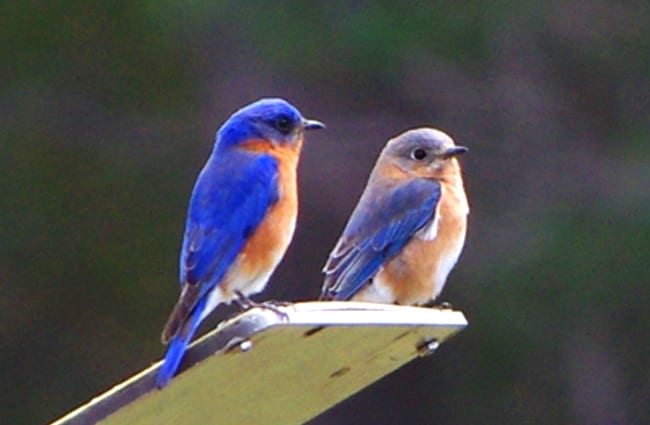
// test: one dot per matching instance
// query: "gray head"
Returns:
(422, 151)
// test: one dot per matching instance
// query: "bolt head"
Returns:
(428, 347)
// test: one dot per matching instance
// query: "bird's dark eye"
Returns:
(284, 125)
(418, 154)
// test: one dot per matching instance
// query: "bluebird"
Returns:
(408, 229)
(241, 217)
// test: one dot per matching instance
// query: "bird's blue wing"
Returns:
(385, 219)
(230, 199)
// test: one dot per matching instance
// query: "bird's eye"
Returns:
(418, 154)
(283, 125)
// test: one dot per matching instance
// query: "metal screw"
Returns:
(245, 345)
(428, 347)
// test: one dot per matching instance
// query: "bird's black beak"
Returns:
(312, 124)
(455, 151)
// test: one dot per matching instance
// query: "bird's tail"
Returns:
(180, 316)
(178, 345)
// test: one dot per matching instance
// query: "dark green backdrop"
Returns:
(108, 110)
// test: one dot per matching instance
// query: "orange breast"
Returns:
(266, 247)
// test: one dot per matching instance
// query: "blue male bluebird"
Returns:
(408, 229)
(241, 217)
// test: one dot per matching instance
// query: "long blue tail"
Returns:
(177, 347)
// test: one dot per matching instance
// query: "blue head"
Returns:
(272, 119)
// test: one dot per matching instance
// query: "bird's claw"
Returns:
(245, 303)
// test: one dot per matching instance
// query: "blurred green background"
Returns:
(108, 111)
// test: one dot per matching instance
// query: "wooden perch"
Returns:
(276, 366)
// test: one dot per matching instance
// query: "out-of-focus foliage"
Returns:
(107, 111)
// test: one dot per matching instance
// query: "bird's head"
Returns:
(424, 152)
(271, 119)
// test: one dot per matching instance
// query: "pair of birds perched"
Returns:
(399, 245)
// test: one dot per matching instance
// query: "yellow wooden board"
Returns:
(277, 366)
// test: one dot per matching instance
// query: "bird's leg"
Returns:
(443, 305)
(446, 305)
(278, 303)
(245, 303)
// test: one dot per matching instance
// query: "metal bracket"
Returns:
(279, 364)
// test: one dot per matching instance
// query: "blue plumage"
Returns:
(231, 198)
(383, 222)
(178, 345)
(258, 120)
(229, 201)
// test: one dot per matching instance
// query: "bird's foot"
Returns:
(278, 303)
(446, 305)
(443, 305)
(245, 303)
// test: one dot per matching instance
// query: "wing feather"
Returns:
(383, 222)
(229, 201)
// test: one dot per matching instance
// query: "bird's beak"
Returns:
(455, 151)
(312, 124)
